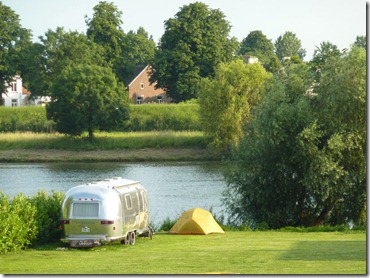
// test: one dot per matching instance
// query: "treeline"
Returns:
(86, 74)
(148, 117)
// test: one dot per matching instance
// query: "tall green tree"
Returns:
(302, 161)
(43, 62)
(288, 45)
(33, 67)
(258, 45)
(195, 41)
(87, 98)
(340, 107)
(138, 49)
(227, 99)
(324, 53)
(361, 41)
(262, 179)
(104, 28)
(13, 40)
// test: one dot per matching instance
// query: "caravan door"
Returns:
(143, 209)
(128, 211)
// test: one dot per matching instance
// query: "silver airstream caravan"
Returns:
(101, 212)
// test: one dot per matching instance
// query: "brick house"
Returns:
(141, 91)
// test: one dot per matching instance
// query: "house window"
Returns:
(139, 99)
(14, 102)
(159, 99)
(142, 85)
(13, 86)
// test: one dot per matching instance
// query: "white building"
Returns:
(13, 95)
(250, 59)
(17, 95)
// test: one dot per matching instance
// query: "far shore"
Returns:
(141, 155)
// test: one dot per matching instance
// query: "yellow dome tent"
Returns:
(196, 221)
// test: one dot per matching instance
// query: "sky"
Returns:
(313, 21)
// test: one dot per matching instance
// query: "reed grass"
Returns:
(103, 141)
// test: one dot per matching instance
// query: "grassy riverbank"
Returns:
(116, 146)
(152, 154)
(269, 252)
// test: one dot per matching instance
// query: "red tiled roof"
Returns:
(25, 91)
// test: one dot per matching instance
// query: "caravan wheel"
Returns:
(127, 239)
(132, 238)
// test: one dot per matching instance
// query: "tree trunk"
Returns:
(91, 135)
(323, 215)
(325, 212)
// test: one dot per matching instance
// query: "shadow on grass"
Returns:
(327, 251)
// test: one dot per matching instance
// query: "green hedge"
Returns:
(25, 221)
(146, 117)
(161, 117)
(27, 118)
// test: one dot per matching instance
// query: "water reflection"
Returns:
(172, 187)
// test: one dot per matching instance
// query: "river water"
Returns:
(173, 187)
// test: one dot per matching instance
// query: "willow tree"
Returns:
(302, 160)
(227, 99)
(340, 108)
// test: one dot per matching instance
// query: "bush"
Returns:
(24, 221)
(262, 226)
(47, 216)
(167, 224)
(17, 223)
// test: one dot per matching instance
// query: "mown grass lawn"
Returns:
(246, 252)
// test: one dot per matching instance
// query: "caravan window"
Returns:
(85, 210)
(128, 201)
